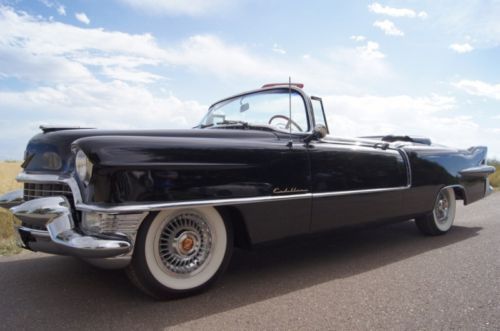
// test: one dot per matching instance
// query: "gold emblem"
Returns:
(286, 190)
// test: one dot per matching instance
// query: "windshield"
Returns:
(267, 108)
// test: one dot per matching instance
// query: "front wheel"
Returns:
(441, 219)
(180, 252)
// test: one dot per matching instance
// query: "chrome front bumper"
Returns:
(48, 226)
(54, 213)
(11, 199)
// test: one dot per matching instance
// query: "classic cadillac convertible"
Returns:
(170, 205)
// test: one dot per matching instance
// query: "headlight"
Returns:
(83, 167)
(51, 161)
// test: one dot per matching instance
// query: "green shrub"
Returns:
(495, 178)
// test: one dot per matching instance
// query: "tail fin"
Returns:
(480, 153)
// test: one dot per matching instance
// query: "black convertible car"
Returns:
(170, 205)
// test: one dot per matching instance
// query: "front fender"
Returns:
(165, 169)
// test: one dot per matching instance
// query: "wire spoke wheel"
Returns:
(184, 244)
(181, 252)
(441, 208)
(440, 220)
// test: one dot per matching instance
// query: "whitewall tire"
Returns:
(440, 220)
(181, 251)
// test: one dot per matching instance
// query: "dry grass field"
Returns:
(495, 178)
(9, 170)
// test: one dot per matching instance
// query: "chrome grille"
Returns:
(40, 190)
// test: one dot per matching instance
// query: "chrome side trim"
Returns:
(368, 191)
(406, 159)
(132, 208)
(48, 178)
(115, 209)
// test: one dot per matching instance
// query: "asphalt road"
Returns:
(389, 278)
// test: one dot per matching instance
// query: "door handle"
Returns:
(382, 146)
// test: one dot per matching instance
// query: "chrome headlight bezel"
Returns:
(83, 167)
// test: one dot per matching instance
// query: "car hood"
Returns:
(50, 151)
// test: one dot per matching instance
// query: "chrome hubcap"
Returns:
(442, 208)
(184, 244)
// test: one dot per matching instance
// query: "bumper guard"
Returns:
(61, 237)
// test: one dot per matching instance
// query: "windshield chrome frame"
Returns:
(303, 95)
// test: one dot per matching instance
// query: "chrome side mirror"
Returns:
(319, 132)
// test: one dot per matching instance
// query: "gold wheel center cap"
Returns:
(187, 244)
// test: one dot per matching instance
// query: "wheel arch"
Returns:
(240, 232)
(460, 193)
(230, 214)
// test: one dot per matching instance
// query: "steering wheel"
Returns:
(288, 123)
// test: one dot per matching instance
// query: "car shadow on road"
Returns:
(51, 288)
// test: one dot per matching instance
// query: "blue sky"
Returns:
(405, 67)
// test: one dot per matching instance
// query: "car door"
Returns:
(355, 182)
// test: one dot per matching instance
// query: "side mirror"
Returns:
(319, 132)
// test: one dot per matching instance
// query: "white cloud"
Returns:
(61, 10)
(368, 115)
(109, 53)
(113, 105)
(107, 83)
(22, 64)
(339, 68)
(36, 50)
(82, 17)
(479, 88)
(377, 8)
(131, 75)
(92, 72)
(371, 51)
(358, 38)
(462, 48)
(423, 15)
(179, 7)
(389, 28)
(475, 18)
(206, 53)
(278, 49)
(110, 104)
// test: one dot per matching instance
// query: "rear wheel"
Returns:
(181, 252)
(440, 220)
